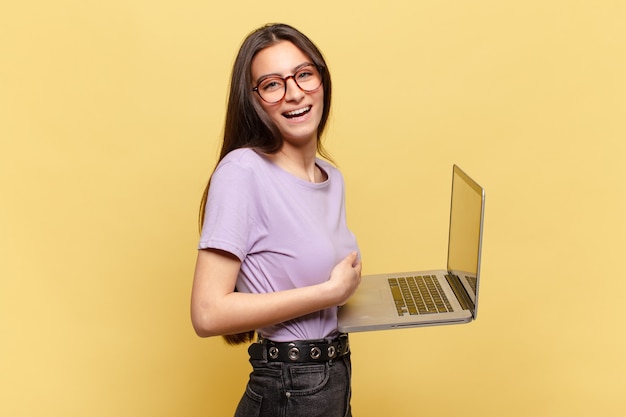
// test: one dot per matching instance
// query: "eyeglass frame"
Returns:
(292, 76)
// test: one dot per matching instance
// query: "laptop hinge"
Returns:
(460, 292)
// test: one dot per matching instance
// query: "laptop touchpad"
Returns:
(368, 297)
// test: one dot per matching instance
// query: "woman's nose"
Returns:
(293, 93)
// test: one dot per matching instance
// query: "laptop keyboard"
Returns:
(419, 295)
(472, 282)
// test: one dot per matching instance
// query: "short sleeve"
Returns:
(231, 208)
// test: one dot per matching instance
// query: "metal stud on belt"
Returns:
(273, 351)
(331, 351)
(316, 352)
(294, 353)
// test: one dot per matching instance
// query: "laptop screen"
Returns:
(466, 220)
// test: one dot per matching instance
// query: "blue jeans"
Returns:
(280, 389)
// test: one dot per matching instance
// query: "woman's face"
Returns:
(298, 114)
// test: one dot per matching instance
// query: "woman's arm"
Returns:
(216, 309)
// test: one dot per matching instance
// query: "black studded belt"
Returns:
(301, 350)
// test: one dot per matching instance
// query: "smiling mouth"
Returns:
(297, 113)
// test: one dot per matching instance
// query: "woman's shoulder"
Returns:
(243, 160)
(238, 170)
(243, 156)
(331, 170)
(322, 163)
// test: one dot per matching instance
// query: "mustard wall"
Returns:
(110, 118)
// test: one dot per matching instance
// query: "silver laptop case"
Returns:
(379, 304)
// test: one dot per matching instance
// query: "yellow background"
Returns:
(110, 119)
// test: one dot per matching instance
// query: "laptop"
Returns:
(433, 297)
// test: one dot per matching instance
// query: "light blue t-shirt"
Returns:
(288, 233)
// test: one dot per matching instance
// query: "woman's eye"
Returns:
(270, 85)
(304, 75)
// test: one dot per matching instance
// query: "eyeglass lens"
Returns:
(273, 89)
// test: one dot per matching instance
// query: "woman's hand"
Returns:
(346, 277)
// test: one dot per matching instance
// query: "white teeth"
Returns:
(298, 112)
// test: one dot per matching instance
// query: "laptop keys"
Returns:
(418, 295)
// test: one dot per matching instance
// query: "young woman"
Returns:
(276, 257)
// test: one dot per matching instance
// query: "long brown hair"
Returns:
(247, 125)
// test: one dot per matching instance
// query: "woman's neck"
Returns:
(299, 162)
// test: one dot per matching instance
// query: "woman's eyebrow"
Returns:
(275, 74)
